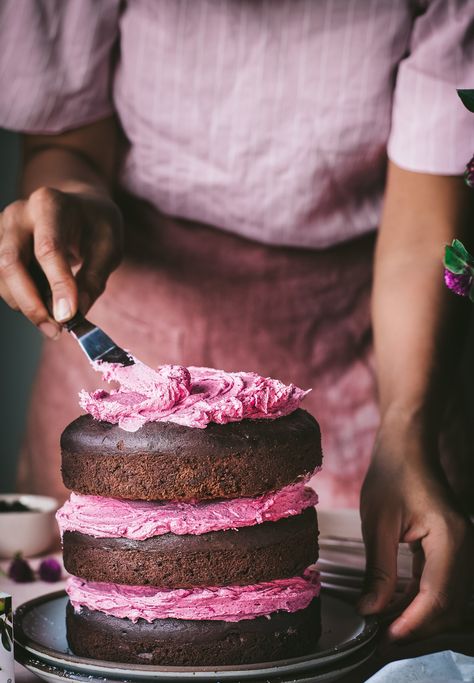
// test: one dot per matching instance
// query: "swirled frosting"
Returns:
(225, 603)
(138, 520)
(188, 396)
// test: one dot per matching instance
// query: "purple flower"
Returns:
(50, 570)
(20, 570)
(469, 173)
(459, 284)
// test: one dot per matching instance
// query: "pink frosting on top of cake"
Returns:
(138, 520)
(188, 396)
(225, 603)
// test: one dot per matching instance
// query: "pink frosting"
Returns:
(138, 520)
(226, 603)
(188, 396)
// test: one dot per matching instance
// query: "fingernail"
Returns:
(396, 630)
(62, 310)
(367, 602)
(49, 330)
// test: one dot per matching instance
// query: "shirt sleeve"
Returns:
(431, 130)
(55, 63)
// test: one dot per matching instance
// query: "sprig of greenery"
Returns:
(467, 98)
(457, 259)
(458, 262)
(6, 625)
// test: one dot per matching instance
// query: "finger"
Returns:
(406, 593)
(432, 609)
(11, 216)
(20, 289)
(381, 571)
(7, 297)
(52, 220)
(412, 586)
(100, 261)
(23, 296)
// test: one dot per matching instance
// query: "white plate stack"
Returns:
(342, 554)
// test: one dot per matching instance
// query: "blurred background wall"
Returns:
(20, 343)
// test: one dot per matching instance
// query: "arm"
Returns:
(418, 331)
(67, 218)
(74, 161)
(418, 324)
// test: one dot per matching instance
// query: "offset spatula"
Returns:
(92, 340)
(95, 343)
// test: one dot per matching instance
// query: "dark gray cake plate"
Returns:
(347, 640)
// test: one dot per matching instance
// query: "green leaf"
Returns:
(460, 249)
(467, 97)
(462, 252)
(454, 263)
(6, 641)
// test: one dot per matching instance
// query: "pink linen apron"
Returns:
(187, 293)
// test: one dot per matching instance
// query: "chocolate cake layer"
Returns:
(177, 642)
(166, 461)
(250, 555)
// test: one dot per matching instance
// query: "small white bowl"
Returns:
(29, 532)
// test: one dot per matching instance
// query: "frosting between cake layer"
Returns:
(192, 396)
(138, 520)
(224, 603)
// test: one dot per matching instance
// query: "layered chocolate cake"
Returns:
(191, 532)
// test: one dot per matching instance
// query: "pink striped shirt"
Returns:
(269, 119)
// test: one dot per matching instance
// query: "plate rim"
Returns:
(32, 664)
(369, 631)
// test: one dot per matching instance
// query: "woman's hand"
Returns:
(75, 238)
(406, 499)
